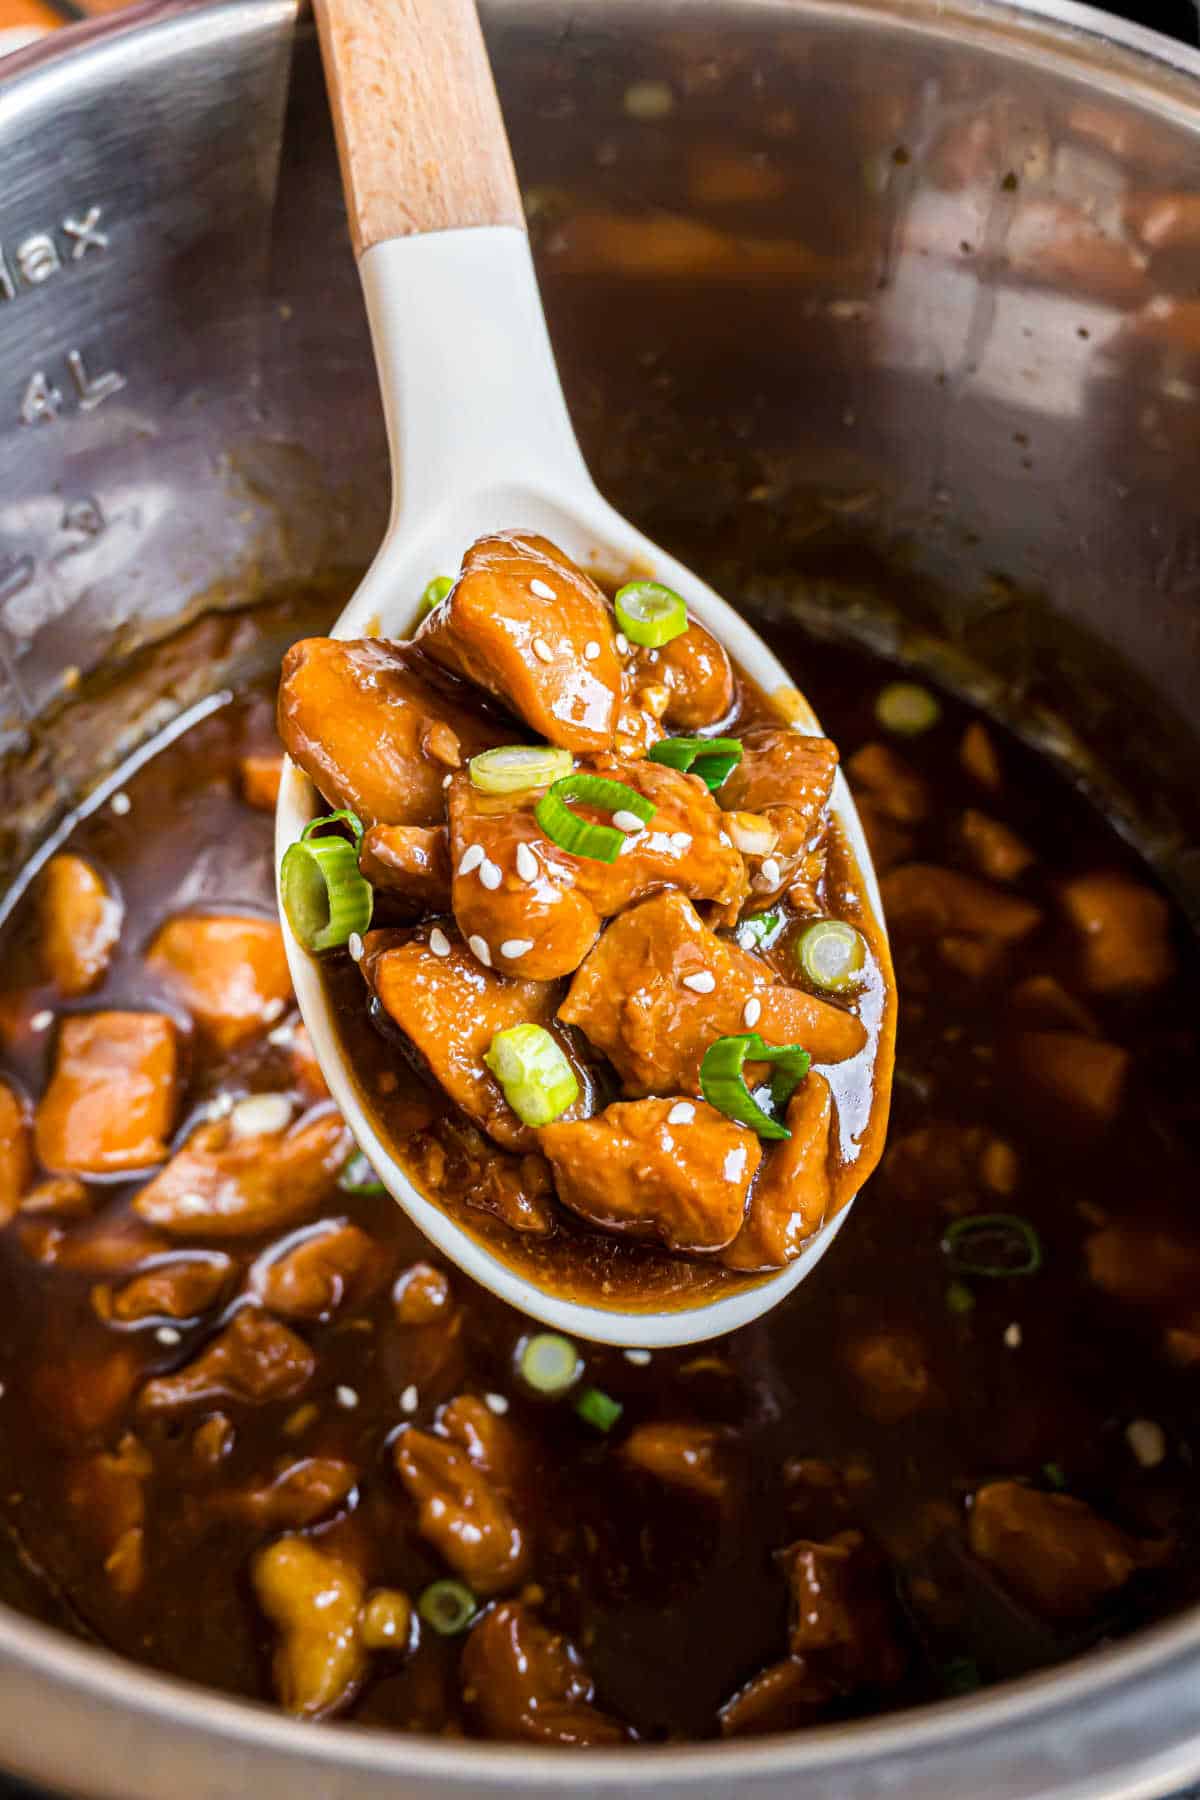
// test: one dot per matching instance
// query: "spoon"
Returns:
(480, 441)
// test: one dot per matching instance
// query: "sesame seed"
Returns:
(770, 871)
(472, 856)
(639, 1358)
(354, 945)
(41, 1021)
(479, 946)
(591, 650)
(346, 1397)
(542, 589)
(1012, 1336)
(747, 938)
(260, 1115)
(626, 821)
(622, 643)
(167, 1335)
(439, 943)
(682, 1113)
(734, 1163)
(491, 875)
(274, 1008)
(527, 863)
(542, 650)
(496, 1403)
(282, 1035)
(409, 1399)
(513, 947)
(752, 1012)
(702, 982)
(1148, 1442)
(220, 1106)
(681, 840)
(121, 804)
(448, 778)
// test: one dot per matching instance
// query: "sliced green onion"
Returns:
(993, 1244)
(1055, 1476)
(724, 1085)
(907, 709)
(435, 592)
(649, 613)
(548, 1363)
(961, 1675)
(597, 1408)
(831, 953)
(514, 767)
(342, 817)
(449, 1606)
(763, 925)
(602, 843)
(358, 1177)
(538, 1081)
(959, 1298)
(325, 897)
(709, 758)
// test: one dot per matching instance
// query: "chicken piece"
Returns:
(526, 1683)
(1142, 1266)
(61, 1196)
(255, 1359)
(843, 1618)
(462, 1511)
(542, 916)
(675, 1170)
(1080, 1079)
(260, 778)
(297, 1496)
(1045, 1004)
(683, 1456)
(997, 852)
(780, 1698)
(178, 1287)
(79, 923)
(451, 1007)
(793, 1189)
(312, 1278)
(787, 776)
(1053, 1551)
(387, 1620)
(222, 1185)
(491, 1443)
(371, 731)
(16, 1156)
(80, 1395)
(892, 1375)
(421, 1295)
(945, 1164)
(111, 1099)
(1126, 932)
(696, 673)
(893, 787)
(923, 900)
(979, 757)
(660, 986)
(528, 626)
(313, 1599)
(106, 1493)
(230, 972)
(410, 861)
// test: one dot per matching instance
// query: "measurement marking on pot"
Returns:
(36, 258)
(43, 402)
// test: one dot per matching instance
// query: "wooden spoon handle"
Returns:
(419, 129)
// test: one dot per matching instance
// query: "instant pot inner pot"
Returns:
(887, 327)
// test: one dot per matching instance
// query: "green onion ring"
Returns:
(649, 613)
(324, 895)
(602, 843)
(511, 768)
(449, 1606)
(599, 1409)
(358, 1177)
(435, 591)
(538, 1081)
(711, 759)
(549, 1363)
(724, 1085)
(1019, 1233)
(342, 817)
(832, 954)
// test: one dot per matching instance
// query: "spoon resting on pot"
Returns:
(481, 442)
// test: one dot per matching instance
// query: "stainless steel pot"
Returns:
(922, 347)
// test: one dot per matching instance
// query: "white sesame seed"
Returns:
(282, 1035)
(682, 1113)
(472, 856)
(770, 871)
(346, 1397)
(734, 1163)
(747, 938)
(409, 1399)
(591, 650)
(542, 650)
(121, 804)
(514, 947)
(167, 1335)
(491, 875)
(447, 778)
(439, 943)
(1012, 1336)
(626, 821)
(41, 1021)
(354, 945)
(527, 863)
(681, 840)
(1148, 1441)
(496, 1403)
(275, 1007)
(542, 589)
(702, 982)
(622, 644)
(639, 1358)
(479, 946)
(260, 1115)
(752, 1012)
(220, 1106)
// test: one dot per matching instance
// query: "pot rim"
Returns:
(1123, 60)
